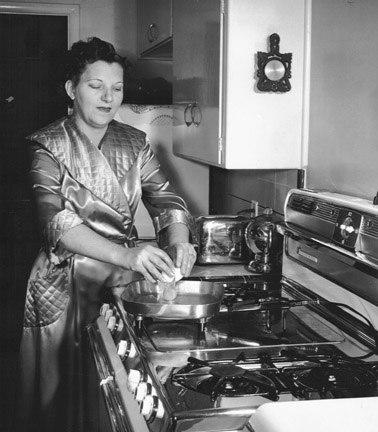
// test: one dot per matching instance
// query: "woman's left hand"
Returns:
(184, 256)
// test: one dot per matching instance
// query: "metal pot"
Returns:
(195, 300)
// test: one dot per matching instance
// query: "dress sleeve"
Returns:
(54, 211)
(159, 197)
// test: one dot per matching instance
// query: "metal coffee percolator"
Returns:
(264, 242)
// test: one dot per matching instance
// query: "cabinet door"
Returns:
(264, 130)
(154, 23)
(215, 74)
(196, 78)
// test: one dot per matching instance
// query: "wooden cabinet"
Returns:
(154, 28)
(221, 118)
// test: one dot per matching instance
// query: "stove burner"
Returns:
(335, 377)
(334, 381)
(225, 381)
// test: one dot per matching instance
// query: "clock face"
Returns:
(274, 70)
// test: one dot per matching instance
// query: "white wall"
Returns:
(343, 132)
(111, 20)
(190, 179)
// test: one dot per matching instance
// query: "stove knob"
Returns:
(122, 349)
(143, 389)
(151, 408)
(120, 325)
(347, 228)
(135, 377)
(108, 314)
(111, 323)
(132, 351)
(126, 349)
(115, 324)
(104, 308)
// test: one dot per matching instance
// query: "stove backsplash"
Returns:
(232, 190)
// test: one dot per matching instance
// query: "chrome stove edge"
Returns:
(175, 420)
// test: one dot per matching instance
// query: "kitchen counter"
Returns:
(221, 270)
(228, 271)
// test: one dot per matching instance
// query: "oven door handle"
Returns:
(296, 233)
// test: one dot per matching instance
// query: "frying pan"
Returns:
(195, 300)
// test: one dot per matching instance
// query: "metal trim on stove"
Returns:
(342, 221)
(295, 232)
(122, 408)
(339, 267)
(333, 313)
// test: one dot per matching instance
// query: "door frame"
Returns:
(71, 11)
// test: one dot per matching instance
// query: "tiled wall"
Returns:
(232, 190)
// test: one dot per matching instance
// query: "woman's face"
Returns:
(98, 94)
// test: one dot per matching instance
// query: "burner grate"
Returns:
(225, 381)
(337, 378)
(303, 376)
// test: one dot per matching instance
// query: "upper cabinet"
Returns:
(221, 117)
(155, 29)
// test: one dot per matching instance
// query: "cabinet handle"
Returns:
(188, 117)
(152, 33)
(196, 115)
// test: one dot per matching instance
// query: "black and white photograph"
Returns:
(189, 216)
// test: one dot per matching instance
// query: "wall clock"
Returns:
(274, 69)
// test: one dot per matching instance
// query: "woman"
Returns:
(89, 174)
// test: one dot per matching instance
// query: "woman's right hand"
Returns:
(152, 262)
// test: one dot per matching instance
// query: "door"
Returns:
(31, 50)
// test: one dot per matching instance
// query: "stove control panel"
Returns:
(112, 318)
(347, 228)
(346, 222)
(138, 384)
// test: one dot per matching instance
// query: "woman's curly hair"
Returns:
(87, 52)
(83, 53)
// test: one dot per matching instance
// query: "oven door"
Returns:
(123, 410)
(334, 275)
(330, 272)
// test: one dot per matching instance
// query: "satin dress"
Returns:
(75, 182)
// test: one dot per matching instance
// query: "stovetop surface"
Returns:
(228, 333)
(270, 325)
(235, 340)
(243, 359)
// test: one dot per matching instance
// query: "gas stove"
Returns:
(306, 336)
